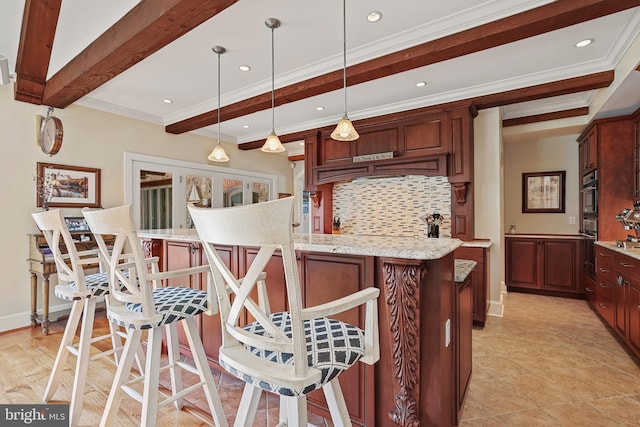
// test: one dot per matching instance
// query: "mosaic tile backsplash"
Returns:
(392, 206)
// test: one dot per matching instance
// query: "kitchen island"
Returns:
(415, 380)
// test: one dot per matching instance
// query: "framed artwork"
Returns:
(543, 192)
(67, 186)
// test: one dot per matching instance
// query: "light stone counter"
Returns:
(463, 268)
(380, 246)
(632, 249)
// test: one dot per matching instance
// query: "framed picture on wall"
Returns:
(67, 186)
(543, 192)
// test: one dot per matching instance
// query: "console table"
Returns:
(41, 265)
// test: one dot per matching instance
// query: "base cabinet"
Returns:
(546, 264)
(479, 280)
(463, 342)
(618, 294)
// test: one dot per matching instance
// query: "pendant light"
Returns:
(218, 154)
(272, 144)
(344, 131)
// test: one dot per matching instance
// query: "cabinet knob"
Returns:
(590, 290)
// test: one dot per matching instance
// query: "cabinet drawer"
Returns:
(627, 265)
(605, 303)
(604, 264)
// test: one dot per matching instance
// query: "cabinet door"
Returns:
(637, 160)
(463, 342)
(327, 278)
(634, 316)
(211, 329)
(621, 290)
(522, 262)
(560, 267)
(179, 255)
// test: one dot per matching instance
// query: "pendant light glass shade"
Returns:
(272, 144)
(344, 131)
(218, 154)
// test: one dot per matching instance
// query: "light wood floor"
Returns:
(547, 362)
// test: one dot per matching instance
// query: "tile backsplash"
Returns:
(392, 206)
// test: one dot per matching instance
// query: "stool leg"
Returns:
(296, 411)
(151, 379)
(63, 353)
(82, 362)
(175, 370)
(336, 403)
(122, 373)
(200, 361)
(248, 406)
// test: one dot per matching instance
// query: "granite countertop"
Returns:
(632, 250)
(480, 243)
(463, 268)
(383, 246)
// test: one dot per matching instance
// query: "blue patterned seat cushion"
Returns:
(97, 284)
(174, 303)
(332, 347)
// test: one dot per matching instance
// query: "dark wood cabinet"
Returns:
(551, 265)
(605, 293)
(479, 280)
(607, 145)
(618, 300)
(463, 342)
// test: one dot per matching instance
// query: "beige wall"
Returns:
(540, 155)
(488, 198)
(92, 139)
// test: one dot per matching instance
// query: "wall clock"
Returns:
(51, 134)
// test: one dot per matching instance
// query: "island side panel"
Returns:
(415, 375)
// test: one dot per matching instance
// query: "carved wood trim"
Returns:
(316, 199)
(460, 192)
(402, 289)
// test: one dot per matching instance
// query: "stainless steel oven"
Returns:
(590, 193)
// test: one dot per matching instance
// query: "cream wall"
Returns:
(488, 198)
(92, 139)
(545, 154)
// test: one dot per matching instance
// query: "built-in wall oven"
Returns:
(590, 193)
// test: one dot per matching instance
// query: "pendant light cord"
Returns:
(273, 71)
(344, 52)
(219, 99)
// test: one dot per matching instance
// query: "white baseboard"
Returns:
(496, 308)
(21, 320)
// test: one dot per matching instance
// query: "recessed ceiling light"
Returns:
(246, 126)
(374, 16)
(245, 68)
(320, 108)
(167, 101)
(421, 84)
(585, 42)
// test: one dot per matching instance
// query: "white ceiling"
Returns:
(309, 43)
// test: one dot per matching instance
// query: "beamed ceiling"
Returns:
(515, 54)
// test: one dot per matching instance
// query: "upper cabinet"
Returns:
(636, 122)
(589, 151)
(607, 145)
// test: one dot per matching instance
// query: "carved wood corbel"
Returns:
(316, 199)
(460, 192)
(402, 297)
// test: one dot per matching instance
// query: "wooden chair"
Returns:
(140, 303)
(288, 353)
(83, 291)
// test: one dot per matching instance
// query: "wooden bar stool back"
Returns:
(288, 353)
(139, 302)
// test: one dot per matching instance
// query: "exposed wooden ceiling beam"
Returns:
(39, 22)
(530, 23)
(555, 115)
(148, 27)
(545, 90)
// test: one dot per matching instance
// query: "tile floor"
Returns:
(547, 362)
(550, 362)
